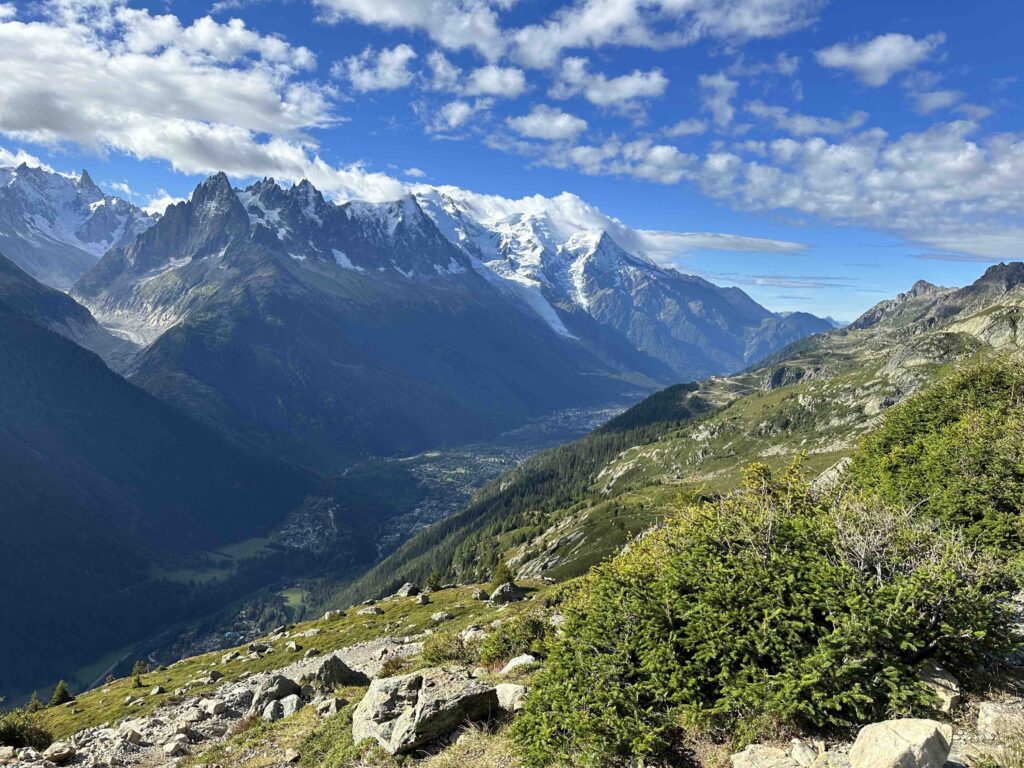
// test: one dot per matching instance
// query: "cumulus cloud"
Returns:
(690, 127)
(452, 24)
(798, 124)
(414, 173)
(444, 75)
(717, 92)
(13, 158)
(492, 80)
(159, 202)
(658, 24)
(544, 122)
(622, 92)
(455, 114)
(877, 60)
(940, 186)
(930, 101)
(383, 70)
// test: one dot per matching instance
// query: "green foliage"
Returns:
(139, 668)
(956, 452)
(434, 580)
(763, 611)
(447, 647)
(502, 574)
(19, 728)
(61, 695)
(34, 704)
(525, 633)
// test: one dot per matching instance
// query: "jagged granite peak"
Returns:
(56, 227)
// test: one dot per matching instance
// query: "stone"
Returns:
(273, 689)
(330, 706)
(519, 661)
(479, 594)
(132, 736)
(370, 610)
(405, 712)
(213, 707)
(945, 687)
(904, 743)
(59, 752)
(290, 705)
(273, 712)
(441, 616)
(421, 600)
(307, 692)
(802, 753)
(473, 634)
(230, 656)
(511, 697)
(176, 745)
(996, 721)
(157, 690)
(407, 590)
(258, 648)
(480, 672)
(762, 756)
(333, 615)
(214, 676)
(332, 672)
(507, 593)
(292, 756)
(310, 653)
(6, 753)
(293, 646)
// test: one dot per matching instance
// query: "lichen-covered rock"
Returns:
(761, 756)
(905, 743)
(407, 590)
(275, 688)
(405, 712)
(945, 687)
(332, 672)
(59, 752)
(996, 720)
(507, 593)
(519, 661)
(511, 697)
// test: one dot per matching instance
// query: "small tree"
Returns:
(502, 574)
(139, 668)
(434, 580)
(34, 704)
(61, 695)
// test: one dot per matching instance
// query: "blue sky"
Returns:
(852, 148)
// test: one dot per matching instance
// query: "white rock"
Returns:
(511, 697)
(997, 720)
(906, 743)
(761, 756)
(519, 661)
(945, 687)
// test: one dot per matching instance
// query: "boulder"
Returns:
(330, 706)
(131, 736)
(274, 688)
(59, 752)
(945, 687)
(332, 672)
(230, 656)
(213, 707)
(421, 600)
(997, 721)
(405, 712)
(290, 705)
(479, 594)
(292, 756)
(370, 610)
(273, 712)
(310, 653)
(292, 646)
(407, 590)
(258, 648)
(519, 661)
(333, 615)
(761, 756)
(905, 743)
(157, 690)
(802, 753)
(176, 745)
(507, 593)
(511, 697)
(6, 753)
(441, 616)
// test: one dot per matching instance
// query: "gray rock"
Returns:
(213, 707)
(293, 646)
(997, 721)
(290, 705)
(176, 745)
(230, 656)
(273, 689)
(421, 600)
(407, 590)
(441, 616)
(292, 756)
(905, 743)
(6, 753)
(511, 697)
(803, 754)
(507, 593)
(310, 653)
(59, 752)
(332, 672)
(519, 661)
(273, 712)
(945, 687)
(479, 594)
(132, 736)
(370, 610)
(405, 712)
(330, 706)
(157, 690)
(761, 756)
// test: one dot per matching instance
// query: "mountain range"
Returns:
(335, 331)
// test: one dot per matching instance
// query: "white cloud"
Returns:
(9, 159)
(456, 114)
(658, 24)
(444, 75)
(383, 70)
(717, 92)
(7, 11)
(939, 186)
(929, 101)
(414, 173)
(622, 92)
(492, 80)
(452, 24)
(876, 61)
(159, 202)
(544, 122)
(799, 124)
(690, 127)
(641, 159)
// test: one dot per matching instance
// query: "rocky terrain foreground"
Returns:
(363, 687)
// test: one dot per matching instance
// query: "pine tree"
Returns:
(61, 695)
(139, 668)
(34, 704)
(502, 574)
